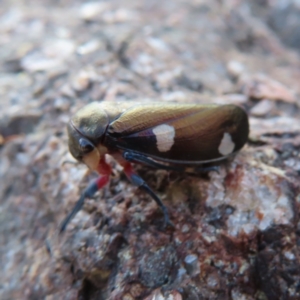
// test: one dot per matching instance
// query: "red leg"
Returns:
(138, 181)
(104, 170)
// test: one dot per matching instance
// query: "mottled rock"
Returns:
(236, 232)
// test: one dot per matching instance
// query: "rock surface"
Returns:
(236, 231)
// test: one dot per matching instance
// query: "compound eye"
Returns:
(86, 146)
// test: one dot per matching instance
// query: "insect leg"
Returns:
(89, 192)
(135, 157)
(139, 182)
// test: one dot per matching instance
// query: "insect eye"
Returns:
(86, 146)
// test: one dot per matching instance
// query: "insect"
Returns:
(168, 136)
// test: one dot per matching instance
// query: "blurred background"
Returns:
(236, 231)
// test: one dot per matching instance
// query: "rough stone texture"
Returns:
(236, 231)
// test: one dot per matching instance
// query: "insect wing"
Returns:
(181, 133)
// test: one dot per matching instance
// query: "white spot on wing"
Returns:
(227, 145)
(164, 137)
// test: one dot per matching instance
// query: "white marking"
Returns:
(164, 137)
(227, 145)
